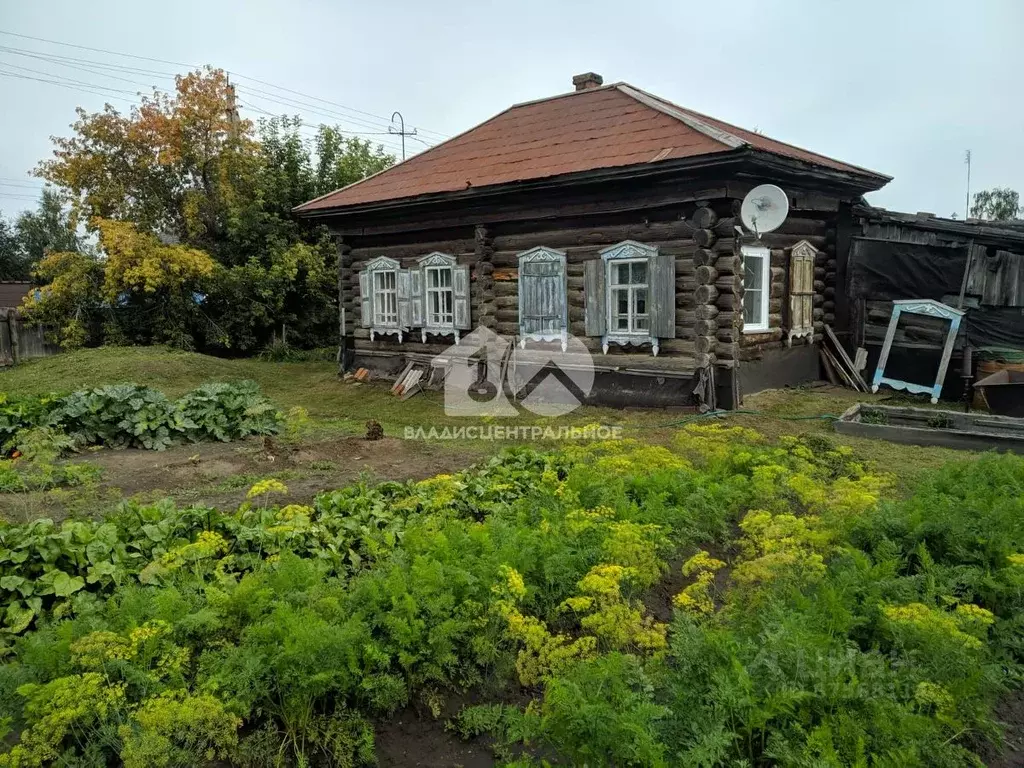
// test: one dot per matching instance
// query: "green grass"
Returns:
(336, 407)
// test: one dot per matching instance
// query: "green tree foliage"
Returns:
(996, 204)
(13, 262)
(47, 229)
(185, 168)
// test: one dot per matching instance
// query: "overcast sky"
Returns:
(897, 86)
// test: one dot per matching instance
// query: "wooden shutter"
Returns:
(417, 298)
(403, 285)
(366, 299)
(662, 281)
(801, 290)
(542, 295)
(595, 296)
(460, 291)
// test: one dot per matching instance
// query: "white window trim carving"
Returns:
(380, 265)
(765, 255)
(550, 255)
(626, 251)
(438, 261)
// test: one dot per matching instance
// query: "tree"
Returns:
(13, 262)
(186, 168)
(48, 228)
(996, 204)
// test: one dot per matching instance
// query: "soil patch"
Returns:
(1010, 713)
(220, 474)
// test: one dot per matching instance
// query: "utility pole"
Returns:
(232, 111)
(967, 160)
(401, 131)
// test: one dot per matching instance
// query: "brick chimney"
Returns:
(587, 80)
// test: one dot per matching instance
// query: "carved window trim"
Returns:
(628, 252)
(544, 255)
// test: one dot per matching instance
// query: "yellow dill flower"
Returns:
(266, 486)
(702, 561)
(1016, 560)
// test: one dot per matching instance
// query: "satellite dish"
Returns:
(764, 209)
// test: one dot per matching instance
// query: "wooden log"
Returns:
(506, 289)
(726, 227)
(777, 275)
(704, 238)
(685, 332)
(506, 315)
(703, 257)
(706, 275)
(728, 302)
(819, 287)
(704, 344)
(779, 258)
(705, 327)
(774, 309)
(506, 302)
(728, 335)
(704, 218)
(699, 312)
(729, 264)
(706, 294)
(588, 234)
(729, 283)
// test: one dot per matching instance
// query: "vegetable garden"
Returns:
(727, 601)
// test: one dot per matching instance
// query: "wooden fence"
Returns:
(19, 342)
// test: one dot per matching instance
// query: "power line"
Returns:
(193, 66)
(66, 79)
(64, 85)
(79, 67)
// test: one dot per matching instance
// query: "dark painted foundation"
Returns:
(779, 368)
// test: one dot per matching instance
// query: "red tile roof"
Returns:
(608, 127)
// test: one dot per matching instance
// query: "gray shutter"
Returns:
(595, 295)
(366, 299)
(416, 298)
(460, 291)
(403, 284)
(542, 299)
(663, 296)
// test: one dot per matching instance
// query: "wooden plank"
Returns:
(860, 359)
(855, 374)
(401, 377)
(829, 370)
(847, 379)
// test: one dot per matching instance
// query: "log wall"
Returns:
(699, 233)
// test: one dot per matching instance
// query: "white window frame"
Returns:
(765, 256)
(438, 263)
(628, 252)
(381, 324)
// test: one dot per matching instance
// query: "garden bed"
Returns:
(930, 427)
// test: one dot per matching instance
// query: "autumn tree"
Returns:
(996, 204)
(185, 166)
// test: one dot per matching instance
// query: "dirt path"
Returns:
(220, 474)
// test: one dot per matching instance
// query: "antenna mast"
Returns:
(967, 207)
